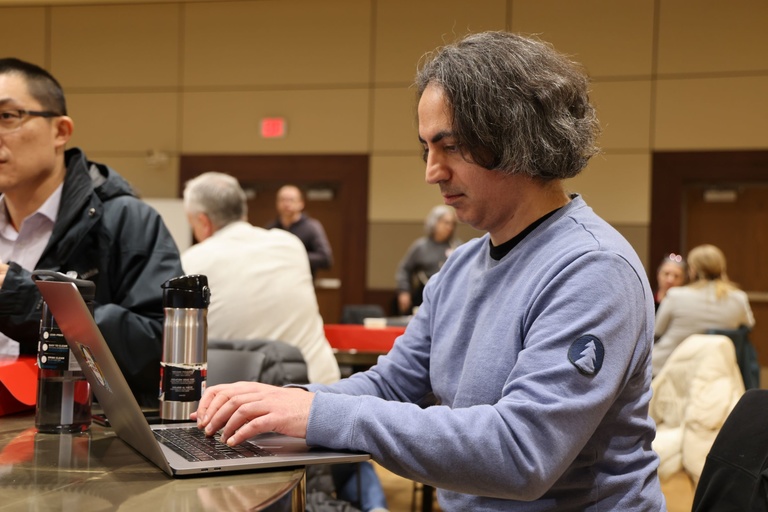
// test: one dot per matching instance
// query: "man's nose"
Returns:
(436, 170)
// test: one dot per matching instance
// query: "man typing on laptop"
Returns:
(524, 380)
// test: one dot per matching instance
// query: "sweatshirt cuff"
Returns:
(332, 421)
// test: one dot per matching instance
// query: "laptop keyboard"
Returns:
(192, 444)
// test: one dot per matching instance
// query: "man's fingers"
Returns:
(246, 429)
(212, 411)
(217, 396)
(218, 414)
(236, 411)
(239, 411)
(204, 405)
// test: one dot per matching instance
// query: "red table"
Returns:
(358, 347)
(361, 338)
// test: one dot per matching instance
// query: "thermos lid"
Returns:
(187, 292)
(86, 288)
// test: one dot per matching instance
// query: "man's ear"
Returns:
(206, 226)
(63, 126)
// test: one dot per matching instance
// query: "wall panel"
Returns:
(711, 36)
(405, 30)
(116, 46)
(124, 122)
(277, 44)
(713, 113)
(147, 177)
(616, 186)
(395, 127)
(624, 111)
(609, 38)
(24, 34)
(318, 121)
(398, 191)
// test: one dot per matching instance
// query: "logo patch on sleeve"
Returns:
(586, 354)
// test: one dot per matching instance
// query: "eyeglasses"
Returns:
(11, 120)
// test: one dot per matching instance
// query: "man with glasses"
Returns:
(59, 211)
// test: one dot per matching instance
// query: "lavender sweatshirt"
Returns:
(540, 367)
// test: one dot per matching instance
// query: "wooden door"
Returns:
(734, 217)
(338, 186)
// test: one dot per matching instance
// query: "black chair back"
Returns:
(268, 361)
(746, 355)
(356, 313)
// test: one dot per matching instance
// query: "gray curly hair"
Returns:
(517, 105)
(217, 195)
(434, 215)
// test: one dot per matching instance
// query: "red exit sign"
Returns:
(273, 127)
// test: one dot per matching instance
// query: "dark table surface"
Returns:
(96, 471)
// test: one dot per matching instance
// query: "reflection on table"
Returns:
(96, 471)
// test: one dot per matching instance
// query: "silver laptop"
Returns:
(125, 415)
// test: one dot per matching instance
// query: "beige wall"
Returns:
(195, 77)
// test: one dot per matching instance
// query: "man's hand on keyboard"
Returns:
(244, 409)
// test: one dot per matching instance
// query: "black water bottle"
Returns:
(63, 394)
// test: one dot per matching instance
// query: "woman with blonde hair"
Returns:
(710, 301)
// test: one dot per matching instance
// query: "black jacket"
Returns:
(735, 475)
(104, 233)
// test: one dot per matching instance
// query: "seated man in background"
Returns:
(62, 212)
(291, 217)
(523, 381)
(261, 287)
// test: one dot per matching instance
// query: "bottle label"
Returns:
(182, 382)
(53, 352)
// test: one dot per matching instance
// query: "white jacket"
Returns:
(692, 396)
(261, 288)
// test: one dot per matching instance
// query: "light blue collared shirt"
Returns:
(26, 245)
